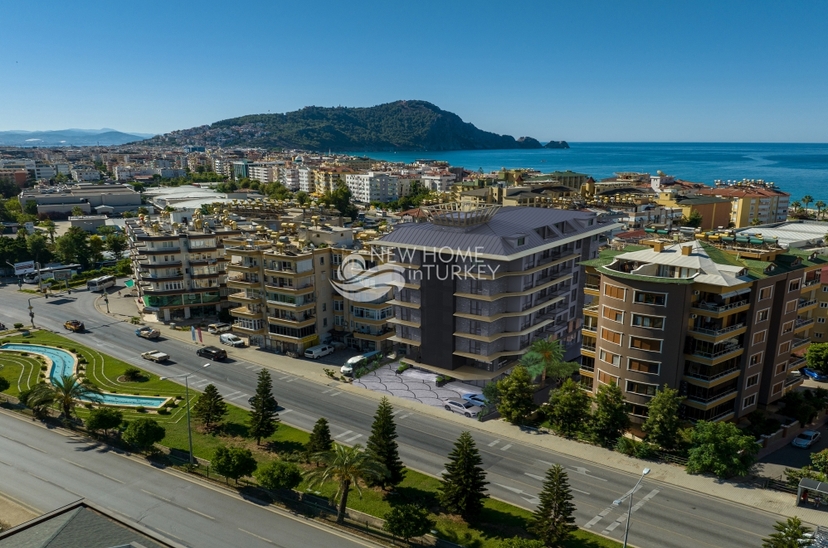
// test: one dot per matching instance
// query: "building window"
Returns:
(753, 380)
(613, 314)
(750, 401)
(647, 297)
(762, 315)
(615, 292)
(650, 345)
(780, 368)
(643, 366)
(777, 388)
(823, 305)
(321, 260)
(641, 388)
(765, 293)
(818, 335)
(794, 285)
(610, 358)
(611, 336)
(825, 288)
(324, 322)
(756, 359)
(790, 306)
(521, 241)
(606, 378)
(759, 338)
(785, 347)
(637, 409)
(820, 320)
(787, 327)
(652, 322)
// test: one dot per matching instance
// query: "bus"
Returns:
(99, 284)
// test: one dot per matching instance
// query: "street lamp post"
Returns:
(106, 300)
(31, 311)
(618, 502)
(187, 396)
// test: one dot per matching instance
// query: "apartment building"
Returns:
(284, 301)
(372, 186)
(484, 282)
(180, 270)
(724, 321)
(264, 172)
(752, 202)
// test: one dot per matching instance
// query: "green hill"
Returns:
(401, 125)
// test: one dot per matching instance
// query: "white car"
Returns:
(465, 408)
(155, 355)
(319, 351)
(232, 340)
(806, 439)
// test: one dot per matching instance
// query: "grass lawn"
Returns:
(499, 520)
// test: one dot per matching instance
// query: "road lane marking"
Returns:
(541, 478)
(584, 472)
(443, 471)
(257, 536)
(239, 396)
(329, 390)
(156, 496)
(396, 411)
(285, 377)
(200, 513)
(93, 471)
(285, 411)
(349, 440)
(335, 394)
(495, 442)
(505, 447)
(406, 415)
(251, 367)
(56, 485)
(343, 434)
(227, 396)
(33, 447)
(292, 379)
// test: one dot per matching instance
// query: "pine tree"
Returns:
(662, 424)
(383, 446)
(263, 420)
(788, 534)
(553, 521)
(610, 419)
(210, 407)
(568, 408)
(464, 482)
(320, 439)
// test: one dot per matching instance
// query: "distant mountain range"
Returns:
(69, 137)
(397, 126)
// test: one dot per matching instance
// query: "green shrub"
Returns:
(163, 411)
(18, 325)
(43, 368)
(140, 409)
(646, 451)
(133, 374)
(626, 446)
(403, 367)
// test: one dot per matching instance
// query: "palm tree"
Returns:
(807, 199)
(546, 357)
(38, 399)
(49, 225)
(820, 205)
(346, 465)
(796, 205)
(69, 390)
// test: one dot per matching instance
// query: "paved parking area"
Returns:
(413, 384)
(773, 465)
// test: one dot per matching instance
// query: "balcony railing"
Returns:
(793, 379)
(803, 303)
(590, 347)
(719, 308)
(717, 332)
(716, 354)
(594, 287)
(711, 398)
(800, 322)
(797, 342)
(809, 283)
(711, 377)
(586, 367)
(591, 328)
(793, 363)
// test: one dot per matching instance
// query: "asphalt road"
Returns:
(664, 516)
(47, 469)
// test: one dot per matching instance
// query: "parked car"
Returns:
(318, 351)
(465, 408)
(76, 326)
(212, 353)
(476, 399)
(814, 374)
(147, 332)
(216, 328)
(806, 439)
(357, 361)
(232, 340)
(155, 355)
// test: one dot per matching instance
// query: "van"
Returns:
(358, 361)
(216, 328)
(231, 339)
(315, 352)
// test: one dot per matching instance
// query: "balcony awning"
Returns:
(735, 293)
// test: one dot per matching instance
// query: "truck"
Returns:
(147, 332)
(155, 355)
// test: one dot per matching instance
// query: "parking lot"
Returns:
(773, 465)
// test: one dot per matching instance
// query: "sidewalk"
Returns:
(775, 502)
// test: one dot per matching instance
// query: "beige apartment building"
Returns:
(282, 296)
(726, 322)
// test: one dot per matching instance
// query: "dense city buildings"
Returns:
(725, 319)
(484, 282)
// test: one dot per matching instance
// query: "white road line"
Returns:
(505, 447)
(257, 536)
(285, 411)
(443, 471)
(345, 433)
(251, 367)
(237, 397)
(156, 496)
(329, 390)
(93, 471)
(610, 528)
(227, 396)
(597, 518)
(495, 442)
(201, 382)
(292, 379)
(406, 415)
(541, 478)
(200, 513)
(334, 394)
(397, 411)
(349, 440)
(285, 377)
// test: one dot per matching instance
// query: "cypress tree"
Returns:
(553, 521)
(464, 482)
(383, 446)
(263, 420)
(320, 439)
(210, 407)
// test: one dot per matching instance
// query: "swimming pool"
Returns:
(63, 363)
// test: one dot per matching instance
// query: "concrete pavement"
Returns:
(768, 500)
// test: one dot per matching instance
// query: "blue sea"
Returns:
(799, 169)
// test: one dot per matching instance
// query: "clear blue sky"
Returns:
(578, 70)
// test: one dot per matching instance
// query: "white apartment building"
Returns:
(438, 182)
(372, 187)
(85, 173)
(306, 180)
(264, 172)
(289, 176)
